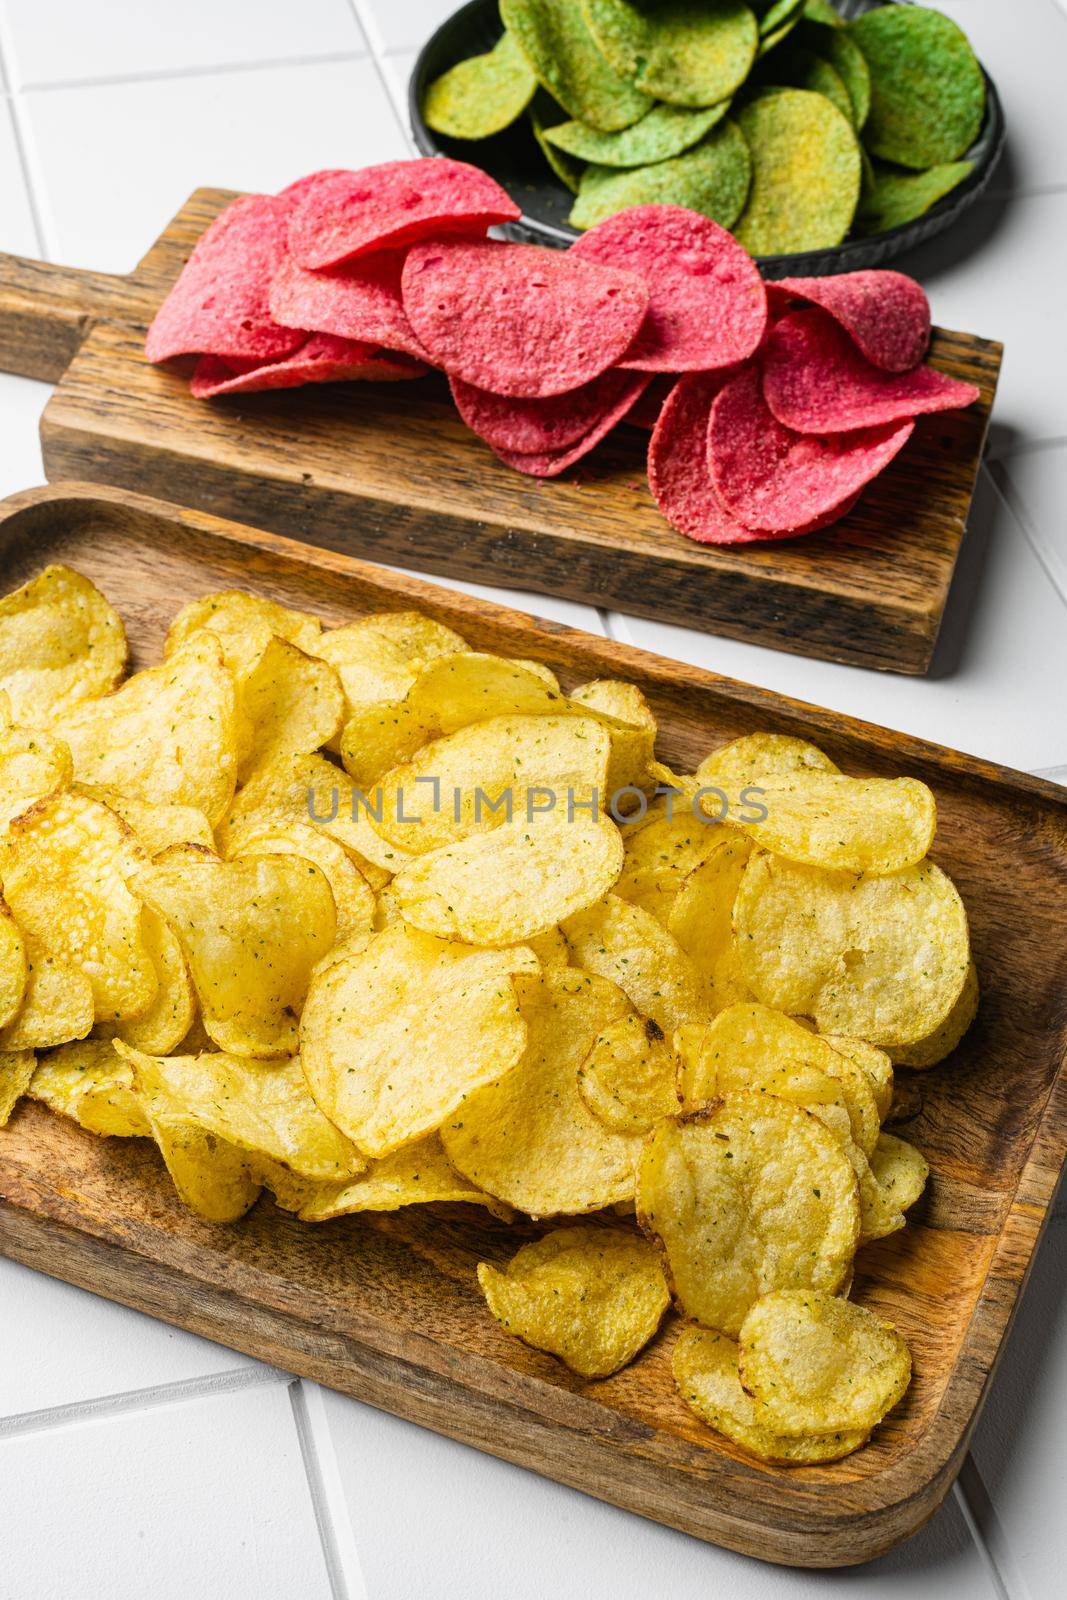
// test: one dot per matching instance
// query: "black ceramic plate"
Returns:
(514, 159)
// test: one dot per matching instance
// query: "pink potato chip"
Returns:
(886, 313)
(322, 358)
(518, 319)
(645, 411)
(220, 304)
(545, 425)
(340, 215)
(550, 463)
(778, 481)
(816, 381)
(708, 306)
(358, 301)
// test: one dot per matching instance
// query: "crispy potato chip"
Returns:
(662, 849)
(460, 784)
(701, 917)
(418, 1174)
(892, 197)
(380, 735)
(244, 625)
(509, 885)
(353, 897)
(900, 1170)
(157, 826)
(712, 177)
(623, 701)
(756, 756)
(550, 948)
(169, 735)
(805, 173)
(396, 1033)
(880, 1215)
(685, 53)
(251, 931)
(60, 642)
(172, 1012)
(627, 1079)
(825, 819)
(529, 1139)
(93, 1085)
(815, 1363)
(379, 657)
(261, 1107)
(293, 703)
(750, 1046)
(626, 944)
(213, 1179)
(13, 966)
(32, 765)
(57, 1005)
(592, 1296)
(927, 89)
(481, 95)
(752, 1195)
(878, 958)
(663, 132)
(66, 864)
(942, 1041)
(705, 1370)
(875, 1065)
(16, 1070)
(555, 39)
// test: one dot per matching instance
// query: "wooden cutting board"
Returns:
(389, 471)
(387, 1308)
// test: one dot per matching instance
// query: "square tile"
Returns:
(60, 41)
(21, 404)
(403, 24)
(18, 233)
(112, 165)
(997, 685)
(1034, 482)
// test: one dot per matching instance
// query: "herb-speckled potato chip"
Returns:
(592, 1296)
(244, 625)
(826, 819)
(214, 1179)
(927, 89)
(701, 917)
(482, 95)
(57, 1005)
(164, 1025)
(293, 702)
(815, 1363)
(927, 1052)
(418, 1174)
(353, 898)
(17, 1068)
(157, 825)
(252, 930)
(756, 756)
(91, 1083)
(685, 53)
(900, 1170)
(875, 1065)
(662, 850)
(805, 173)
(712, 177)
(396, 1033)
(628, 1078)
(752, 1195)
(60, 643)
(530, 1139)
(13, 968)
(517, 881)
(622, 942)
(32, 765)
(555, 39)
(878, 958)
(663, 132)
(705, 1370)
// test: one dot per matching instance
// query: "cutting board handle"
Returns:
(46, 311)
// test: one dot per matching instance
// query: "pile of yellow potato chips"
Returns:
(366, 918)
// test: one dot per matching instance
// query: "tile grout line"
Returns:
(340, 1553)
(14, 111)
(376, 49)
(206, 70)
(113, 1405)
(985, 1528)
(1009, 497)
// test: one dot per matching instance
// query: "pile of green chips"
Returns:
(779, 120)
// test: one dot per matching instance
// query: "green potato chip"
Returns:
(778, 14)
(805, 173)
(892, 196)
(822, 11)
(712, 178)
(483, 95)
(799, 68)
(927, 89)
(553, 37)
(683, 51)
(567, 170)
(663, 132)
(847, 60)
(768, 41)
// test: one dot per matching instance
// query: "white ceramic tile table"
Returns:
(135, 1459)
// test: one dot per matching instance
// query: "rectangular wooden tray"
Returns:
(387, 1308)
(389, 471)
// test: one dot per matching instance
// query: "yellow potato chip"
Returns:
(156, 826)
(752, 1195)
(215, 1181)
(16, 1070)
(880, 1215)
(509, 885)
(550, 948)
(380, 656)
(32, 765)
(530, 1139)
(539, 670)
(91, 1083)
(13, 966)
(627, 1079)
(621, 942)
(168, 736)
(57, 1005)
(875, 1065)
(705, 1370)
(161, 1028)
(352, 895)
(293, 704)
(60, 642)
(66, 865)
(756, 756)
(592, 1296)
(815, 1363)
(399, 1030)
(701, 917)
(827, 820)
(467, 782)
(662, 849)
(418, 1174)
(623, 701)
(252, 930)
(927, 1052)
(877, 958)
(381, 735)
(261, 1107)
(244, 625)
(900, 1170)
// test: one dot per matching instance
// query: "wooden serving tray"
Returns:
(387, 1308)
(389, 471)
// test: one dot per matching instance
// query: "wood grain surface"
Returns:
(390, 472)
(387, 1308)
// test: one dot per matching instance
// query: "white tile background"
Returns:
(136, 1460)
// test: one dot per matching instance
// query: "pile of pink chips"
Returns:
(770, 408)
